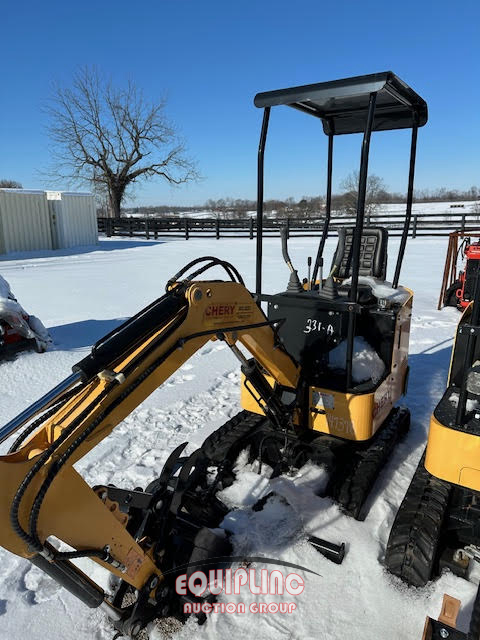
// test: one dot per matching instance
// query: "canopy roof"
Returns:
(342, 105)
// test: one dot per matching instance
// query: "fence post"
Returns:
(251, 228)
(217, 228)
(155, 232)
(130, 232)
(463, 222)
(186, 229)
(288, 228)
(414, 230)
(147, 231)
(109, 227)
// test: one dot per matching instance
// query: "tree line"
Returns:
(344, 203)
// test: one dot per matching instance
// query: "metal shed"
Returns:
(73, 219)
(24, 221)
(37, 220)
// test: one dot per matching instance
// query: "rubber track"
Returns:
(412, 547)
(226, 441)
(354, 470)
(356, 480)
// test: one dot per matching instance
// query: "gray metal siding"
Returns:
(77, 220)
(24, 221)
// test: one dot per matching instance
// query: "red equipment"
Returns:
(468, 276)
(458, 291)
(8, 335)
(18, 330)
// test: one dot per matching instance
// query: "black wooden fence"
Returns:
(422, 224)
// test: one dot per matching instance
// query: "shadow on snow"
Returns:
(77, 335)
(103, 245)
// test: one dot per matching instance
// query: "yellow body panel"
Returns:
(356, 416)
(453, 455)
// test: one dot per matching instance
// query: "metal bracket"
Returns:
(125, 498)
(445, 626)
(473, 330)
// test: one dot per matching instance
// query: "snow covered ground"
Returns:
(82, 295)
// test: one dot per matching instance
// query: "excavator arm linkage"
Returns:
(42, 493)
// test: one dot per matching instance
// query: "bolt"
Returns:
(209, 293)
(275, 306)
(471, 331)
(136, 628)
(444, 633)
(153, 582)
(198, 295)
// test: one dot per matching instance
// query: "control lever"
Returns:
(320, 278)
(294, 284)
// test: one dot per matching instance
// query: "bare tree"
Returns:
(375, 188)
(10, 184)
(112, 137)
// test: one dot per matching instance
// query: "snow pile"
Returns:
(11, 312)
(253, 482)
(367, 364)
(382, 289)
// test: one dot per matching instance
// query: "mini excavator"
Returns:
(437, 526)
(299, 402)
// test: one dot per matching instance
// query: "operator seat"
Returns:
(373, 253)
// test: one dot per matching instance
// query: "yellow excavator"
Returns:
(306, 393)
(437, 526)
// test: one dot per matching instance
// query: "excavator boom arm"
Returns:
(43, 495)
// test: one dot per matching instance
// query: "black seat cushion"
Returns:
(373, 253)
(365, 295)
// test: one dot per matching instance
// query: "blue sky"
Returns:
(210, 58)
